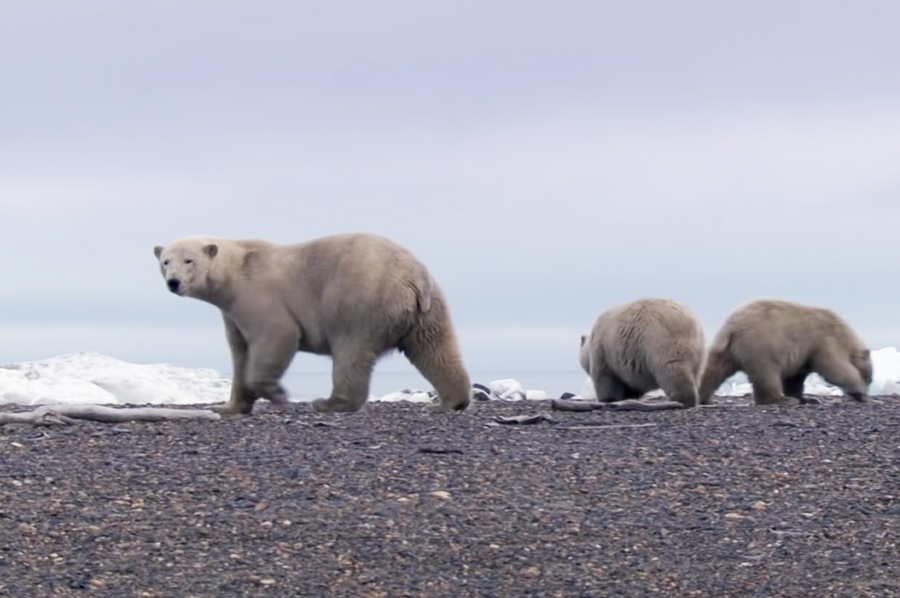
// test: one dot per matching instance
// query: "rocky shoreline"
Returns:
(393, 501)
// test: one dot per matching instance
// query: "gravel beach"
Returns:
(393, 501)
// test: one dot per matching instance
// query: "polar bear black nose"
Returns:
(173, 284)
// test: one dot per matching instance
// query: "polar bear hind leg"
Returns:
(434, 352)
(351, 376)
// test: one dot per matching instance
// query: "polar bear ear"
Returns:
(583, 339)
(157, 250)
(211, 250)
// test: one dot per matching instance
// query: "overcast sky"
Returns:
(546, 160)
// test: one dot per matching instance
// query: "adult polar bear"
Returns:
(352, 296)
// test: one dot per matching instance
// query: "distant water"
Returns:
(310, 385)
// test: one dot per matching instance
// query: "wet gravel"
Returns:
(393, 501)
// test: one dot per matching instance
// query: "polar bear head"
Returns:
(862, 361)
(585, 354)
(186, 265)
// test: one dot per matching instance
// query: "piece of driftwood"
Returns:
(440, 451)
(576, 405)
(603, 425)
(65, 415)
(626, 405)
(535, 418)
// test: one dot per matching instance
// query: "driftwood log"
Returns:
(65, 415)
(603, 426)
(626, 405)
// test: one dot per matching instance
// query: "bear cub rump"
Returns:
(644, 345)
(777, 344)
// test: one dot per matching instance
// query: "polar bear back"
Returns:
(637, 339)
(786, 332)
(355, 284)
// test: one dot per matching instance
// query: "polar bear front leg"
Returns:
(836, 369)
(268, 358)
(241, 400)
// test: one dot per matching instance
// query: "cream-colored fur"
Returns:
(777, 344)
(354, 297)
(641, 346)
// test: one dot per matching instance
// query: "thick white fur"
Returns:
(644, 345)
(777, 344)
(351, 296)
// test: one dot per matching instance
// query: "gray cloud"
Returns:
(546, 160)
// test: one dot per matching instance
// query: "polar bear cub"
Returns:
(644, 345)
(777, 344)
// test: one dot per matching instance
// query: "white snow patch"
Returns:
(98, 379)
(415, 396)
(92, 378)
(507, 389)
(885, 380)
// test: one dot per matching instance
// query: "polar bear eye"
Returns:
(188, 262)
(165, 262)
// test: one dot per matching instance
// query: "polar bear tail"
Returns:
(424, 288)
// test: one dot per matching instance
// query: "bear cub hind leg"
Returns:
(793, 388)
(718, 368)
(609, 389)
(767, 389)
(678, 383)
